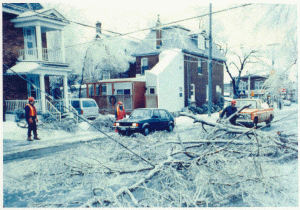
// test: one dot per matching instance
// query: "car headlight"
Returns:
(135, 124)
(117, 124)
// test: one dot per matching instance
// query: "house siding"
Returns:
(12, 40)
(200, 81)
(152, 61)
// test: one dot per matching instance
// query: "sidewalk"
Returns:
(15, 144)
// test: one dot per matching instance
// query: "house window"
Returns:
(192, 92)
(106, 75)
(201, 42)
(242, 85)
(258, 85)
(199, 66)
(104, 89)
(91, 90)
(152, 90)
(98, 89)
(123, 92)
(126, 91)
(144, 65)
(218, 89)
(195, 40)
(120, 92)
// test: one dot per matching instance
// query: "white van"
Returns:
(86, 107)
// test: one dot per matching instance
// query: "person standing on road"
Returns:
(31, 118)
(229, 110)
(120, 111)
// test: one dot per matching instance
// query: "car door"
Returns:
(164, 119)
(155, 120)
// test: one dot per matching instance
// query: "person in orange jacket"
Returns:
(31, 118)
(120, 111)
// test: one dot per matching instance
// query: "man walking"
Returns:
(31, 118)
(229, 110)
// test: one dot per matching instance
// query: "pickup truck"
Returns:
(258, 112)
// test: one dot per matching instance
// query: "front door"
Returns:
(32, 90)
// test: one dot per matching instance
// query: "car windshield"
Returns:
(241, 103)
(89, 104)
(141, 113)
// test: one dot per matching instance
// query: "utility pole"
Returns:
(249, 84)
(210, 66)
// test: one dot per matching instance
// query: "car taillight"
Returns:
(81, 112)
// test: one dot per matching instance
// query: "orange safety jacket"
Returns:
(32, 110)
(120, 113)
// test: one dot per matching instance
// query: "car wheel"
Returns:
(170, 128)
(146, 131)
(255, 122)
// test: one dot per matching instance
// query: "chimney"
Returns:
(158, 34)
(98, 27)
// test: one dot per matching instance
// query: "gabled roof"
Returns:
(174, 37)
(49, 14)
(18, 8)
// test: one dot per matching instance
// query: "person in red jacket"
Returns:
(120, 111)
(31, 118)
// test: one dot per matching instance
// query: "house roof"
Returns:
(136, 79)
(18, 8)
(175, 37)
(49, 14)
(37, 68)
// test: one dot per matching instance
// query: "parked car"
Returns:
(144, 121)
(258, 112)
(86, 107)
(287, 102)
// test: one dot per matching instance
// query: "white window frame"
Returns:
(258, 84)
(192, 92)
(143, 62)
(199, 65)
(242, 85)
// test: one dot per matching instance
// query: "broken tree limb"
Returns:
(227, 128)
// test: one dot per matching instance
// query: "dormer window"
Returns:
(201, 42)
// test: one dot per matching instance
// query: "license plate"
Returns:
(123, 129)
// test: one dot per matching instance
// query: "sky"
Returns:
(235, 27)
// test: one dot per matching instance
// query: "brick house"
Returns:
(27, 51)
(177, 61)
(256, 84)
(172, 63)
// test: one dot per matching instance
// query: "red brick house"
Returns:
(172, 61)
(27, 51)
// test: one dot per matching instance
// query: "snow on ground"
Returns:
(75, 176)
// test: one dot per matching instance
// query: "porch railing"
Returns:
(60, 105)
(50, 55)
(14, 105)
(53, 111)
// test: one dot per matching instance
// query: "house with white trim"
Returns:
(28, 52)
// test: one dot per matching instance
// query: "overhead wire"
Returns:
(51, 97)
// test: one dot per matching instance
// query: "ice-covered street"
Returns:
(85, 168)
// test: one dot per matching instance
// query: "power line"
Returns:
(80, 117)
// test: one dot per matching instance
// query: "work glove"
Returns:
(37, 119)
(30, 120)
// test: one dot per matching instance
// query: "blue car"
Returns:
(145, 121)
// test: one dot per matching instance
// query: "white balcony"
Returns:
(48, 55)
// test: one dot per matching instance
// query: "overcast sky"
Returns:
(235, 27)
